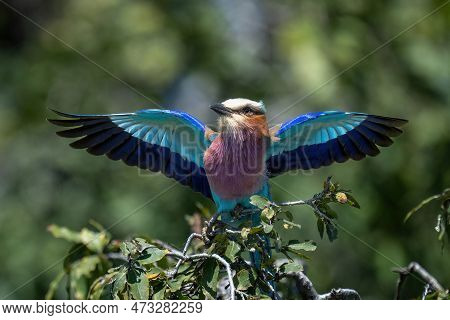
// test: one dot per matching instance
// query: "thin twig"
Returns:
(227, 266)
(416, 268)
(185, 249)
(211, 223)
(308, 292)
(165, 245)
(289, 203)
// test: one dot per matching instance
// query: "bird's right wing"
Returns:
(318, 139)
(158, 140)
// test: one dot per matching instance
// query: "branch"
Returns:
(225, 264)
(308, 292)
(183, 257)
(198, 256)
(116, 256)
(416, 268)
(185, 249)
(165, 245)
(209, 225)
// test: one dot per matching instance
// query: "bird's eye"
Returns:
(247, 110)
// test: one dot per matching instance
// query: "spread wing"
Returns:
(158, 140)
(318, 139)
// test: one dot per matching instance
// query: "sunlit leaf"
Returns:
(305, 246)
(267, 227)
(151, 255)
(120, 280)
(243, 280)
(232, 250)
(175, 284)
(138, 284)
(245, 232)
(259, 201)
(291, 267)
(64, 233)
(210, 277)
(269, 213)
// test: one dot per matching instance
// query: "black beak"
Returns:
(221, 109)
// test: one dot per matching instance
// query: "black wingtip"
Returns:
(64, 114)
(400, 122)
(64, 122)
(389, 121)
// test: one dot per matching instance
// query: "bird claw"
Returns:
(237, 211)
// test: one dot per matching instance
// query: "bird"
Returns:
(237, 159)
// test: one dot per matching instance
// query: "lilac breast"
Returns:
(235, 164)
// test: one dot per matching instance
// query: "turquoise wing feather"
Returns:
(171, 142)
(318, 139)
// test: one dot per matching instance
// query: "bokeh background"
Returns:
(188, 55)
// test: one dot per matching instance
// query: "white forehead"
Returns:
(236, 104)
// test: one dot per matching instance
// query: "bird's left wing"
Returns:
(318, 139)
(158, 140)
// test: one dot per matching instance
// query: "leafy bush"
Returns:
(214, 264)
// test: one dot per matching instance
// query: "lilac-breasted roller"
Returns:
(236, 161)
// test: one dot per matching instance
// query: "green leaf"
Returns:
(232, 250)
(120, 280)
(320, 227)
(101, 288)
(64, 233)
(285, 250)
(151, 255)
(159, 292)
(138, 284)
(259, 201)
(142, 244)
(256, 229)
(244, 233)
(175, 284)
(291, 267)
(305, 246)
(269, 213)
(267, 227)
(328, 211)
(210, 277)
(124, 249)
(128, 248)
(243, 279)
(352, 201)
(328, 185)
(95, 241)
(79, 276)
(331, 231)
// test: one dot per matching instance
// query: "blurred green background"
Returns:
(188, 55)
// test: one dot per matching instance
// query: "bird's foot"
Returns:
(237, 211)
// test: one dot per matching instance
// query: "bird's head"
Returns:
(240, 113)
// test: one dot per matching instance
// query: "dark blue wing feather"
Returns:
(318, 139)
(171, 142)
